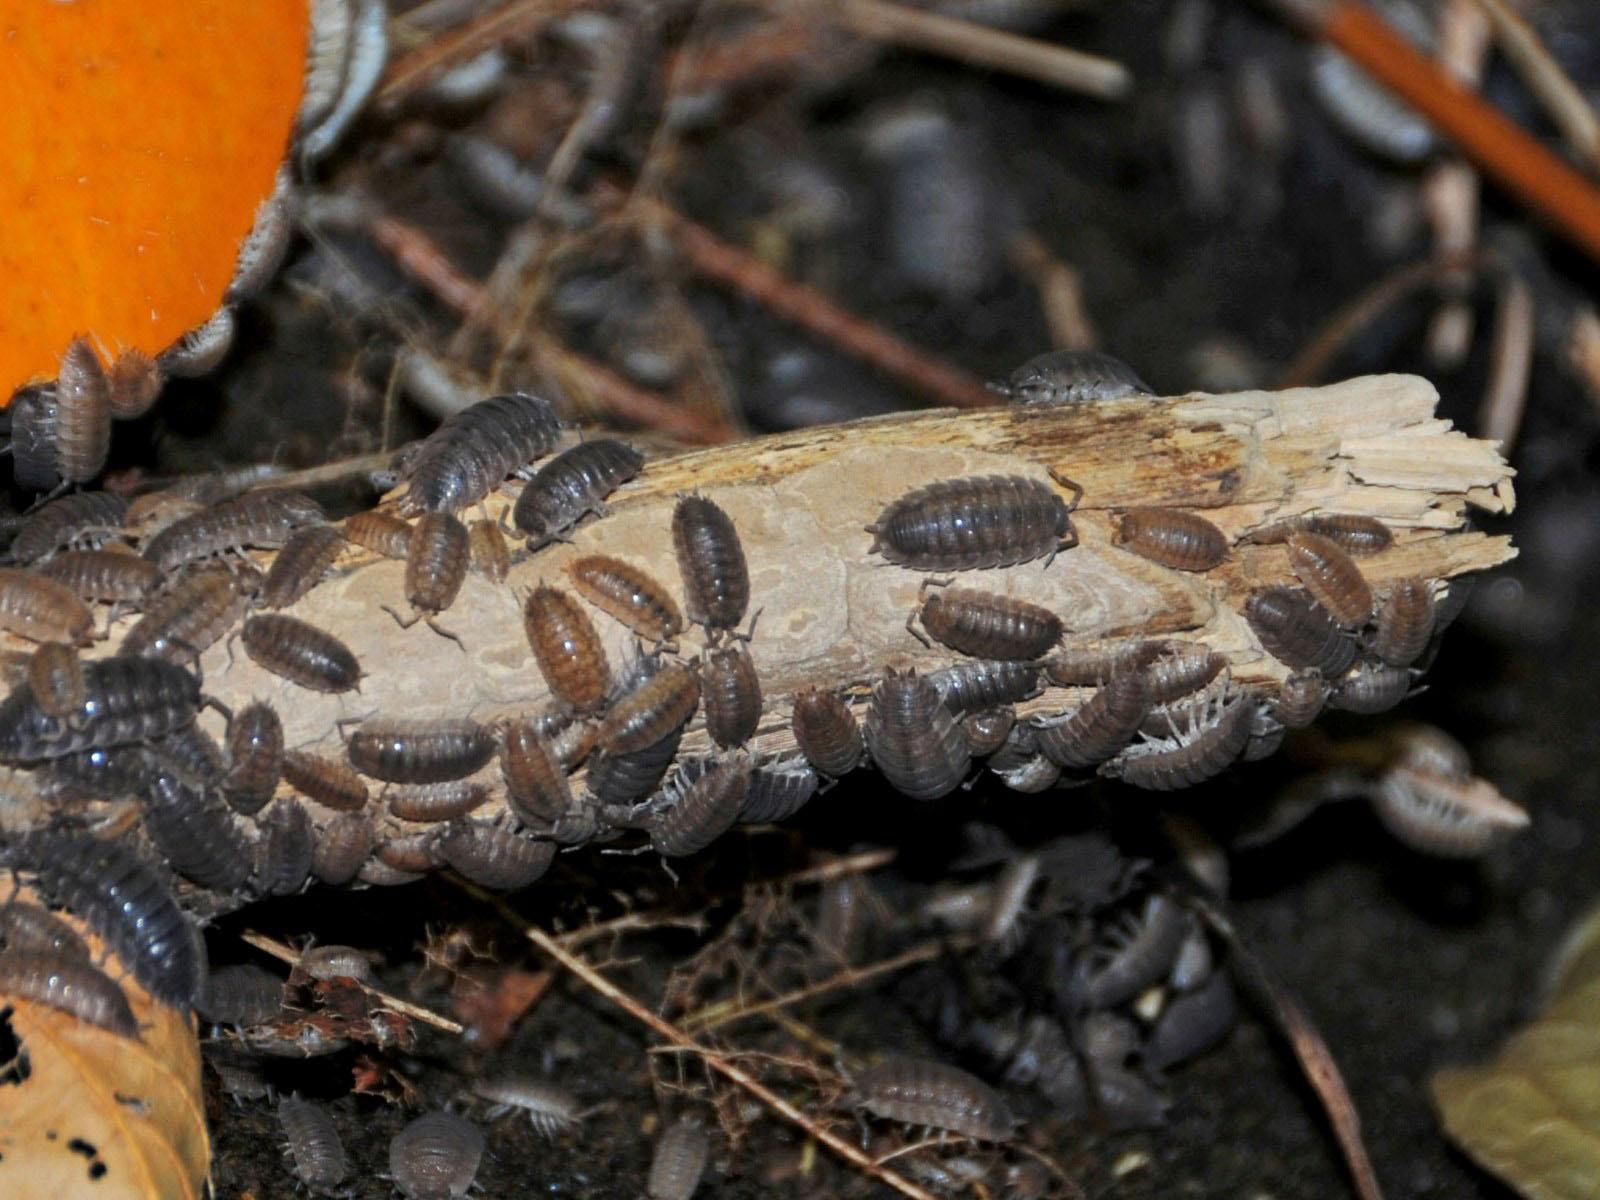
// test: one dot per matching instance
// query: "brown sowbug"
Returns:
(1372, 688)
(1300, 699)
(473, 451)
(488, 551)
(124, 901)
(1332, 577)
(629, 594)
(987, 729)
(83, 414)
(436, 1157)
(327, 781)
(613, 779)
(116, 577)
(341, 846)
(264, 518)
(778, 790)
(697, 814)
(968, 687)
(1138, 953)
(196, 832)
(1358, 535)
(244, 994)
(1181, 669)
(679, 1161)
(414, 853)
(1211, 742)
(283, 849)
(301, 564)
(199, 351)
(301, 653)
(73, 987)
(711, 562)
(985, 624)
(134, 381)
(572, 485)
(730, 691)
(1446, 815)
(41, 609)
(379, 532)
(656, 708)
(567, 648)
(430, 803)
(413, 751)
(976, 522)
(436, 566)
(126, 700)
(1405, 622)
(549, 1109)
(255, 757)
(82, 520)
(1099, 727)
(1173, 538)
(1093, 666)
(319, 1158)
(537, 790)
(27, 927)
(55, 673)
(912, 737)
(1072, 377)
(333, 961)
(918, 1091)
(1298, 631)
(495, 857)
(827, 732)
(184, 621)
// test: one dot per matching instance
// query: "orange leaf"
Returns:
(100, 1114)
(139, 140)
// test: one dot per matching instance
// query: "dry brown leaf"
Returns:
(1532, 1115)
(99, 1114)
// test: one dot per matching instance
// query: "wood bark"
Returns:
(833, 615)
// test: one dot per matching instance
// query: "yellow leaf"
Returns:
(1532, 1115)
(99, 1114)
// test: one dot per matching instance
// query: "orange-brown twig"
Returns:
(1513, 158)
(287, 954)
(507, 22)
(718, 1063)
(420, 257)
(726, 263)
(1308, 366)
(1316, 1060)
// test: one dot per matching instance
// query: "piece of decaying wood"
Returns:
(834, 616)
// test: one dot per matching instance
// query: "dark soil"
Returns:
(1405, 964)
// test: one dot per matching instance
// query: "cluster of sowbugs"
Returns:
(256, 817)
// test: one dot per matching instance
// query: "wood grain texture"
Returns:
(833, 616)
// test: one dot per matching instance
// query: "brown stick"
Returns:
(1563, 100)
(730, 1071)
(508, 22)
(1058, 66)
(726, 263)
(1315, 1059)
(287, 954)
(1308, 366)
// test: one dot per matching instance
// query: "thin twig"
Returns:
(1563, 100)
(726, 263)
(1316, 1060)
(420, 257)
(1060, 288)
(1308, 366)
(518, 19)
(730, 1071)
(725, 1013)
(1520, 164)
(980, 45)
(288, 954)
(1505, 395)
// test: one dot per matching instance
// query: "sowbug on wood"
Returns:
(976, 522)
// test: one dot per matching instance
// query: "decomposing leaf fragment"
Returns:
(81, 1105)
(1532, 1114)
